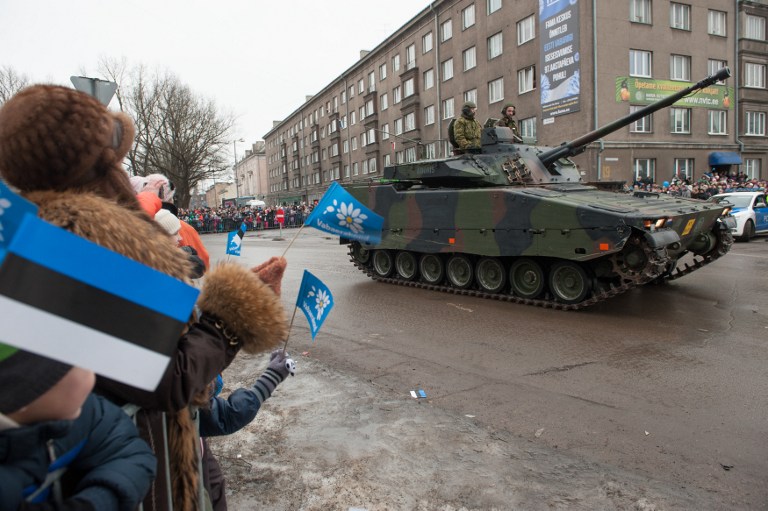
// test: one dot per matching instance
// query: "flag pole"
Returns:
(289, 329)
(289, 246)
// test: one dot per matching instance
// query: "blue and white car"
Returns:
(750, 211)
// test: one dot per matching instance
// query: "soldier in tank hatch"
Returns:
(507, 120)
(467, 130)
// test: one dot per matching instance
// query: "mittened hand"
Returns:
(281, 364)
(271, 272)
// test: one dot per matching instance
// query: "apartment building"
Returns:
(569, 66)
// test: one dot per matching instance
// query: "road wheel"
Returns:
(569, 282)
(459, 271)
(491, 276)
(749, 231)
(382, 263)
(405, 264)
(527, 278)
(431, 268)
(361, 254)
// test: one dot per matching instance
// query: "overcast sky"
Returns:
(256, 59)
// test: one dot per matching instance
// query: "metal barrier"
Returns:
(220, 225)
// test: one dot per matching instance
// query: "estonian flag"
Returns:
(315, 301)
(13, 207)
(235, 240)
(341, 214)
(64, 297)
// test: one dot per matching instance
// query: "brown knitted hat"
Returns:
(57, 138)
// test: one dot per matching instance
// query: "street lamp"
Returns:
(237, 186)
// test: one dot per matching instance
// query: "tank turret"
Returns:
(516, 222)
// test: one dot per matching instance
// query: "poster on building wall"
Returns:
(644, 91)
(560, 58)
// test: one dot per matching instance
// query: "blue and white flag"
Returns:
(235, 240)
(94, 308)
(341, 214)
(13, 207)
(315, 301)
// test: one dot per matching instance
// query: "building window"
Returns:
(408, 88)
(345, 147)
(447, 67)
(346, 170)
(371, 81)
(429, 115)
(755, 28)
(387, 160)
(468, 17)
(493, 6)
(351, 91)
(372, 165)
(371, 138)
(713, 66)
(526, 29)
(410, 56)
(369, 109)
(396, 95)
(360, 87)
(495, 44)
(396, 63)
(429, 79)
(399, 126)
(754, 75)
(755, 123)
(752, 168)
(716, 23)
(684, 168)
(642, 125)
(680, 16)
(430, 151)
(382, 72)
(362, 112)
(384, 131)
(526, 80)
(640, 63)
(410, 155)
(680, 67)
(471, 95)
(354, 143)
(448, 108)
(468, 58)
(355, 170)
(426, 42)
(410, 121)
(352, 118)
(528, 128)
(496, 90)
(384, 101)
(680, 119)
(645, 169)
(717, 122)
(640, 11)
(446, 30)
(343, 97)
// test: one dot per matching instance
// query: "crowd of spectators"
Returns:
(226, 219)
(711, 183)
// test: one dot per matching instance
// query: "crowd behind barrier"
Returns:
(711, 183)
(216, 220)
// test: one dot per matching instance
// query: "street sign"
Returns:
(280, 216)
(102, 90)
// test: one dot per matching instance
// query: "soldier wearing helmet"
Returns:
(507, 120)
(467, 130)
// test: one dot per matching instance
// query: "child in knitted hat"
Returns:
(45, 401)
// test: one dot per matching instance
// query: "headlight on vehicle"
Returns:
(654, 223)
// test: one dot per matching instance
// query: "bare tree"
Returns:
(11, 82)
(178, 134)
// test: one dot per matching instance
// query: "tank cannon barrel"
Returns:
(579, 144)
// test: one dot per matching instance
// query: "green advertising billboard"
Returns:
(644, 91)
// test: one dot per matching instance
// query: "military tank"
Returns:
(516, 222)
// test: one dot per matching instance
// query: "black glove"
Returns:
(198, 266)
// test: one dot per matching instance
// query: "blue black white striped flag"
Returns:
(66, 298)
(235, 240)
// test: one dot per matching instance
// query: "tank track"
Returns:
(724, 238)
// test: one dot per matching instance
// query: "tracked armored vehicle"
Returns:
(516, 222)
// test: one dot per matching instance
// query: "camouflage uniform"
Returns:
(508, 122)
(467, 132)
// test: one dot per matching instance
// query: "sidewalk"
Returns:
(327, 441)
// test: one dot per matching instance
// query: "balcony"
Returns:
(409, 103)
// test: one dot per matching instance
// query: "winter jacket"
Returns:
(108, 465)
(237, 311)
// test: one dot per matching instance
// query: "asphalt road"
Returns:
(666, 382)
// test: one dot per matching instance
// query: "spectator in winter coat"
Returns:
(49, 421)
(72, 149)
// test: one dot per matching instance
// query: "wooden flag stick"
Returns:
(289, 329)
(291, 243)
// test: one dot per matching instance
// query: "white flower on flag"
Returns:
(348, 215)
(322, 300)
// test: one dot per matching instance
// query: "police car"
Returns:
(750, 211)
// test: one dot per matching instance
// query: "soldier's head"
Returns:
(469, 109)
(508, 110)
